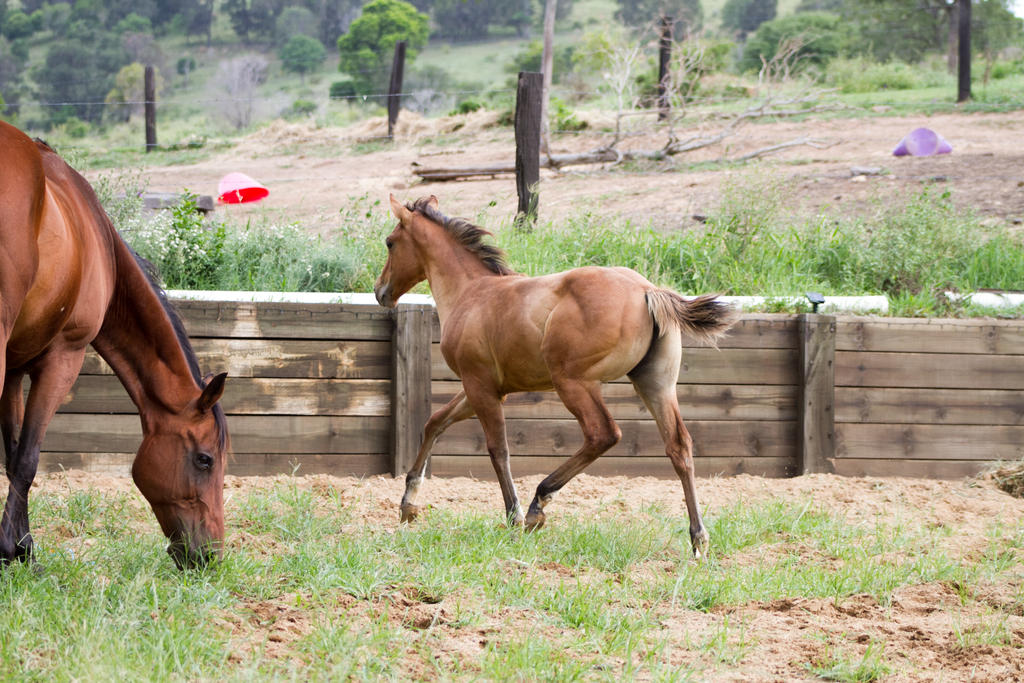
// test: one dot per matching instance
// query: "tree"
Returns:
(79, 70)
(302, 54)
(11, 68)
(744, 16)
(253, 18)
(366, 50)
(295, 21)
(901, 29)
(463, 19)
(128, 94)
(236, 80)
(688, 14)
(821, 38)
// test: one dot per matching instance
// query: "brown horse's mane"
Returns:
(468, 235)
(150, 273)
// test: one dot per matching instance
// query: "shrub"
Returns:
(302, 108)
(467, 106)
(863, 75)
(344, 89)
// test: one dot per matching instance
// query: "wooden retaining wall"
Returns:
(345, 389)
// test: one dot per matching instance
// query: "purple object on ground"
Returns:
(922, 142)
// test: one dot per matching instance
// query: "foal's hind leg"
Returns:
(52, 378)
(455, 410)
(600, 433)
(655, 381)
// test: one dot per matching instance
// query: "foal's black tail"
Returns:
(704, 318)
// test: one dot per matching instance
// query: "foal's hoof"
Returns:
(409, 513)
(534, 520)
(700, 541)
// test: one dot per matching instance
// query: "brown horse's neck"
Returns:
(451, 269)
(140, 343)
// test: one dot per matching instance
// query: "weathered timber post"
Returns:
(816, 448)
(528, 125)
(964, 62)
(149, 96)
(395, 87)
(410, 381)
(664, 59)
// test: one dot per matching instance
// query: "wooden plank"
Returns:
(929, 370)
(928, 469)
(250, 396)
(816, 446)
(265, 320)
(282, 358)
(479, 467)
(933, 335)
(241, 464)
(929, 442)
(411, 384)
(696, 401)
(286, 434)
(702, 366)
(930, 406)
(639, 438)
(751, 331)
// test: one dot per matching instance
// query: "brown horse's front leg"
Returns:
(52, 378)
(454, 411)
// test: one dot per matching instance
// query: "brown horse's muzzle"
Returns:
(383, 294)
(191, 552)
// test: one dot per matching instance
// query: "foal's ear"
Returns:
(433, 202)
(211, 392)
(401, 213)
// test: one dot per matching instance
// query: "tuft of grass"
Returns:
(836, 666)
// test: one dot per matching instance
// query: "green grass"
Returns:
(750, 245)
(310, 590)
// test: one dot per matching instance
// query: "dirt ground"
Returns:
(918, 627)
(314, 173)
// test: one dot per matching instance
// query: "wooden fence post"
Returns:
(149, 96)
(664, 58)
(816, 448)
(410, 380)
(964, 69)
(395, 87)
(528, 124)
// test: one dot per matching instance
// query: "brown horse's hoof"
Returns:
(534, 520)
(409, 513)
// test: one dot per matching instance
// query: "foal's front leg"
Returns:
(455, 410)
(487, 404)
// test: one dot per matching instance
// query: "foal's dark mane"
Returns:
(149, 270)
(468, 235)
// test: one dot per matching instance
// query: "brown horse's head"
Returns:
(180, 470)
(403, 269)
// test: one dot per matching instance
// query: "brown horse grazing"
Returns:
(68, 280)
(502, 332)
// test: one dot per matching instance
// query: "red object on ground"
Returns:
(238, 188)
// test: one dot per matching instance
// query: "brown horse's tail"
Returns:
(704, 318)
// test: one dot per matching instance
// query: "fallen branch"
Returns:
(812, 142)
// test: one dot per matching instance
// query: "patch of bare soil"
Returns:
(313, 173)
(932, 631)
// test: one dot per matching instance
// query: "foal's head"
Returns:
(180, 470)
(407, 244)
(404, 267)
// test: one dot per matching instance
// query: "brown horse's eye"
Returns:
(203, 461)
(388, 243)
